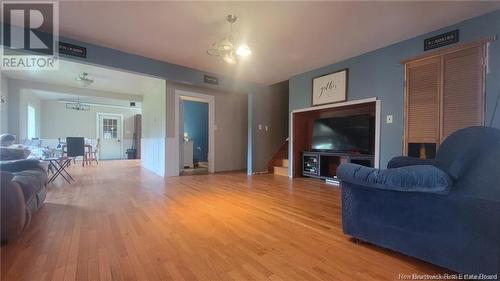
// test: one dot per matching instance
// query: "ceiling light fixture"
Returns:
(84, 79)
(71, 103)
(228, 47)
(77, 106)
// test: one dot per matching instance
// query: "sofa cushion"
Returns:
(402, 161)
(31, 182)
(460, 148)
(421, 178)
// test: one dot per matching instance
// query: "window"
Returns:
(109, 128)
(31, 122)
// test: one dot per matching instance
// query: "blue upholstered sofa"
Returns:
(445, 211)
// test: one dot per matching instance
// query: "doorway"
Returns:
(76, 92)
(195, 132)
(194, 126)
(110, 134)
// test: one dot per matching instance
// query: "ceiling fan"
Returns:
(84, 79)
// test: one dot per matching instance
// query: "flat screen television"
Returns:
(353, 134)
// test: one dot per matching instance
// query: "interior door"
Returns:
(422, 101)
(463, 80)
(110, 131)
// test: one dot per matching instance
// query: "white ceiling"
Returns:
(105, 80)
(287, 38)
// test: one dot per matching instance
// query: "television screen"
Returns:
(347, 134)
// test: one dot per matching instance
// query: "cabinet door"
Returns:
(463, 80)
(422, 101)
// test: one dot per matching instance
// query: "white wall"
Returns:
(57, 121)
(19, 95)
(153, 130)
(28, 98)
(4, 125)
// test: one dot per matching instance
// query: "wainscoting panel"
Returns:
(153, 155)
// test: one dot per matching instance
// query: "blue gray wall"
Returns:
(272, 112)
(195, 116)
(380, 74)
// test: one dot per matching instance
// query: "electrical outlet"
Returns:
(389, 119)
(266, 128)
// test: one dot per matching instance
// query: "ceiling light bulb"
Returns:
(243, 50)
(229, 59)
(226, 44)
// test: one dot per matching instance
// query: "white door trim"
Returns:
(187, 95)
(98, 125)
(377, 127)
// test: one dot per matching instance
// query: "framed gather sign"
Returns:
(330, 88)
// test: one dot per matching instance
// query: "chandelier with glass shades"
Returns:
(229, 48)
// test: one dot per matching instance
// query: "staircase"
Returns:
(283, 169)
(278, 164)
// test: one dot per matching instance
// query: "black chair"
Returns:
(75, 147)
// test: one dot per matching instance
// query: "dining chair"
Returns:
(93, 153)
(75, 146)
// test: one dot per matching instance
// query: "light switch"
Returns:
(260, 126)
(266, 128)
(388, 119)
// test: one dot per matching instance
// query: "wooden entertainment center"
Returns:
(324, 165)
(327, 162)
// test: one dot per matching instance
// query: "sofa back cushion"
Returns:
(461, 148)
(22, 165)
(482, 178)
(31, 181)
(10, 153)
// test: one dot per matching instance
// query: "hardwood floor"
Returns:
(120, 222)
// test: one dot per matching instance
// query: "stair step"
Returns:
(284, 163)
(282, 171)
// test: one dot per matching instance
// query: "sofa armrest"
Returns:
(420, 178)
(403, 161)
